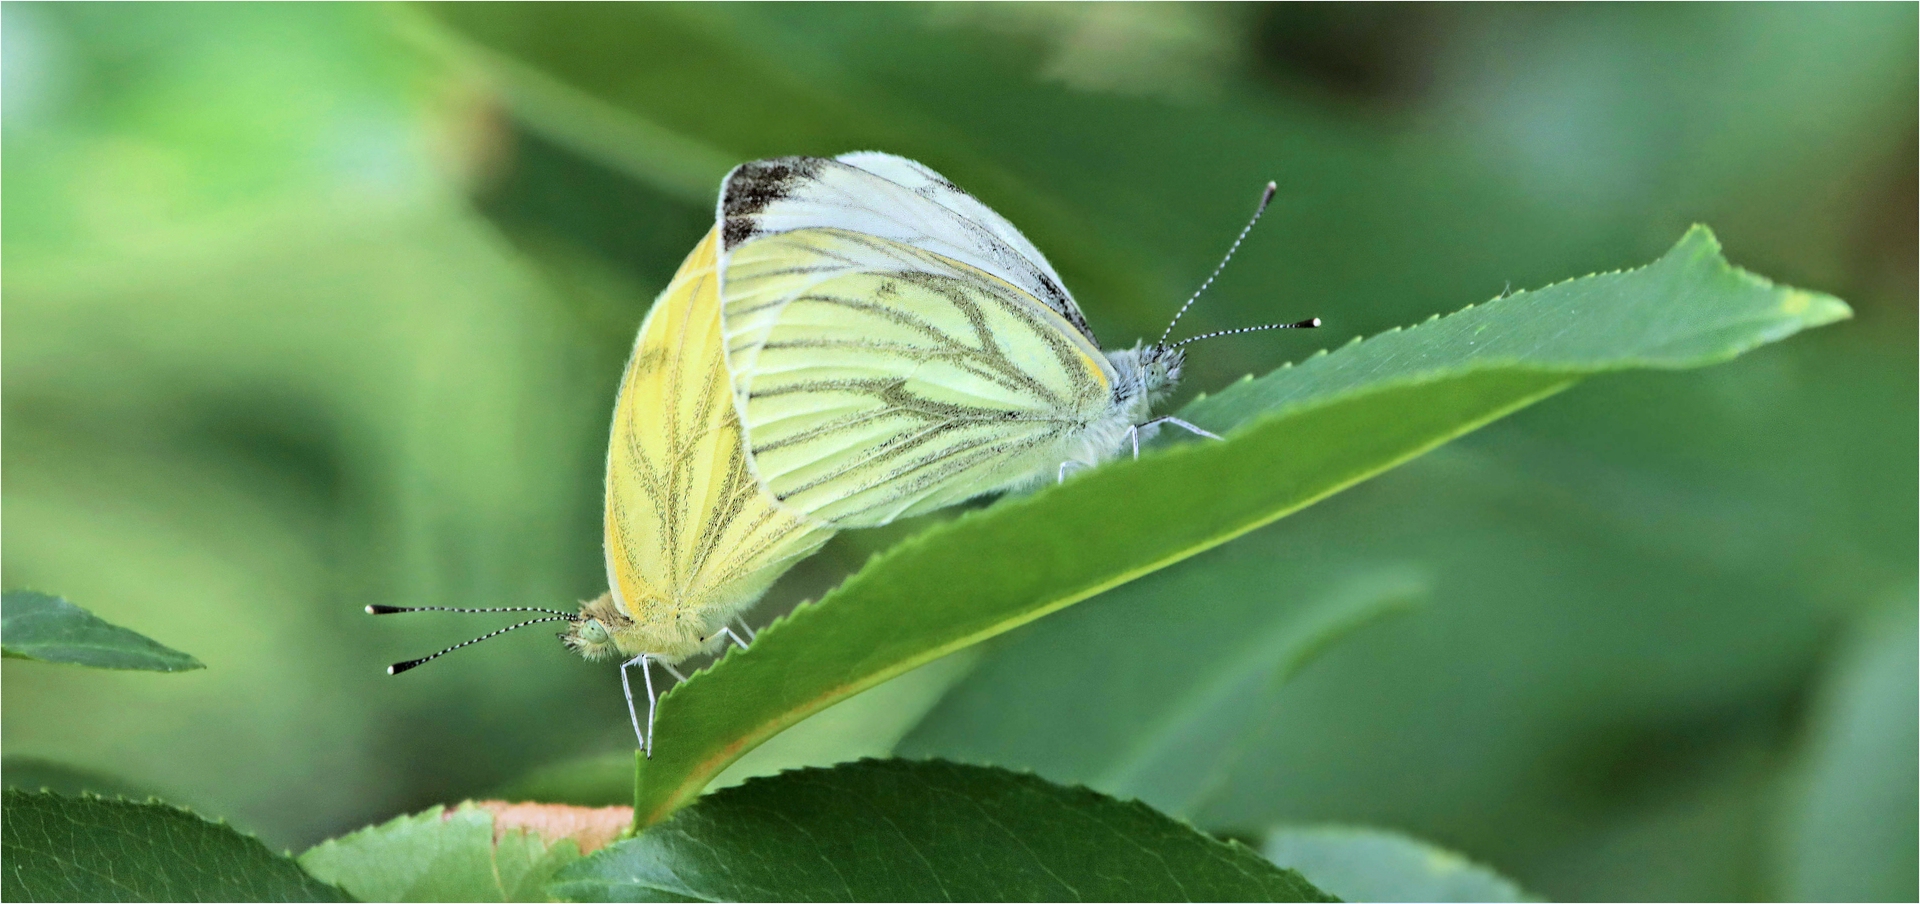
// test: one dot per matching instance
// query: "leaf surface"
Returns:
(1297, 435)
(91, 849)
(462, 854)
(904, 830)
(39, 626)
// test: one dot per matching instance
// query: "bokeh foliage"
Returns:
(313, 306)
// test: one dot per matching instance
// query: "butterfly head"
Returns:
(1160, 370)
(1144, 375)
(592, 634)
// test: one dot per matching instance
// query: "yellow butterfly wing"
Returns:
(691, 536)
(878, 380)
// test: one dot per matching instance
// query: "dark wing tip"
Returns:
(752, 187)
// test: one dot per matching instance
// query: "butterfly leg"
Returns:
(626, 687)
(746, 627)
(1170, 419)
(1062, 476)
(736, 637)
(674, 672)
(646, 672)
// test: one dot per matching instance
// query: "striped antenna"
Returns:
(399, 667)
(1306, 324)
(1266, 197)
(389, 610)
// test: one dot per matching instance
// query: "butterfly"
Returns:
(691, 537)
(856, 340)
(895, 346)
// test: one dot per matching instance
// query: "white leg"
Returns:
(1169, 419)
(736, 638)
(751, 634)
(674, 672)
(1133, 436)
(627, 688)
(646, 671)
(1062, 475)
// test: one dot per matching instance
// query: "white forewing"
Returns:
(878, 379)
(893, 198)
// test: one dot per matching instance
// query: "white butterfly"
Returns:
(895, 346)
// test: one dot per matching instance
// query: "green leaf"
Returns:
(470, 853)
(1373, 865)
(1087, 697)
(50, 629)
(1299, 435)
(901, 830)
(1852, 832)
(90, 849)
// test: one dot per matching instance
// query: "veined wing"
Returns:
(688, 528)
(878, 380)
(892, 198)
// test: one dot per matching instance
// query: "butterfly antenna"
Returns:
(389, 610)
(1306, 324)
(399, 667)
(1266, 197)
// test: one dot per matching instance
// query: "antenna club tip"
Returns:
(393, 670)
(1313, 322)
(371, 612)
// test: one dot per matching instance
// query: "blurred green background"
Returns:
(308, 306)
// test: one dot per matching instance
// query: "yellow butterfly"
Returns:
(691, 537)
(896, 346)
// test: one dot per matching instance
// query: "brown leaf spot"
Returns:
(592, 828)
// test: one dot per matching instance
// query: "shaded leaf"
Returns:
(89, 849)
(899, 830)
(1299, 434)
(50, 629)
(1852, 833)
(1373, 865)
(1141, 694)
(489, 851)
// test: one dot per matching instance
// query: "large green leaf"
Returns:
(50, 629)
(1373, 865)
(1298, 435)
(469, 853)
(902, 830)
(90, 849)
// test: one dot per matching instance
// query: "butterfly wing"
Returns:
(878, 379)
(892, 198)
(691, 536)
